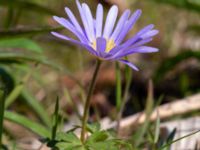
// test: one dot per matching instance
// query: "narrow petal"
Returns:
(134, 39)
(120, 24)
(129, 64)
(129, 24)
(90, 49)
(99, 20)
(73, 20)
(150, 34)
(101, 45)
(110, 21)
(145, 29)
(142, 42)
(71, 28)
(133, 50)
(85, 24)
(89, 18)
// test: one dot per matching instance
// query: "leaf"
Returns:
(171, 142)
(28, 5)
(168, 64)
(55, 120)
(20, 43)
(69, 137)
(2, 103)
(36, 106)
(68, 141)
(186, 4)
(25, 122)
(13, 33)
(98, 136)
(194, 28)
(95, 127)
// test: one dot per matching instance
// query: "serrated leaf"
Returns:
(98, 137)
(20, 43)
(68, 141)
(67, 137)
(69, 146)
(93, 127)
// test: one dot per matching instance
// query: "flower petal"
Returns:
(129, 24)
(129, 64)
(99, 20)
(90, 49)
(85, 24)
(110, 21)
(149, 34)
(70, 27)
(134, 39)
(89, 19)
(120, 24)
(133, 50)
(73, 20)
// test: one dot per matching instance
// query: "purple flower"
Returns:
(107, 42)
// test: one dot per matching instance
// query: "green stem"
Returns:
(125, 98)
(87, 102)
(2, 105)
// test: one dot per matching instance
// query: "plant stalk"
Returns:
(88, 99)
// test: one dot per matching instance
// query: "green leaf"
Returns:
(95, 127)
(2, 103)
(13, 33)
(69, 137)
(171, 142)
(28, 5)
(98, 137)
(55, 120)
(20, 43)
(25, 122)
(186, 4)
(168, 64)
(68, 141)
(36, 106)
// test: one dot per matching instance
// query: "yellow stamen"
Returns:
(109, 45)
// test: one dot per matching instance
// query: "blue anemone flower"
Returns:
(106, 41)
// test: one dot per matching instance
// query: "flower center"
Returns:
(109, 45)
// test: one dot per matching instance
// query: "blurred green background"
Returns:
(36, 67)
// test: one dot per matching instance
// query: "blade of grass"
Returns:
(118, 86)
(28, 5)
(171, 142)
(148, 110)
(21, 58)
(27, 123)
(36, 106)
(128, 77)
(157, 129)
(13, 33)
(55, 120)
(23, 43)
(2, 103)
(17, 90)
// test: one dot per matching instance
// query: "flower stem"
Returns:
(87, 102)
